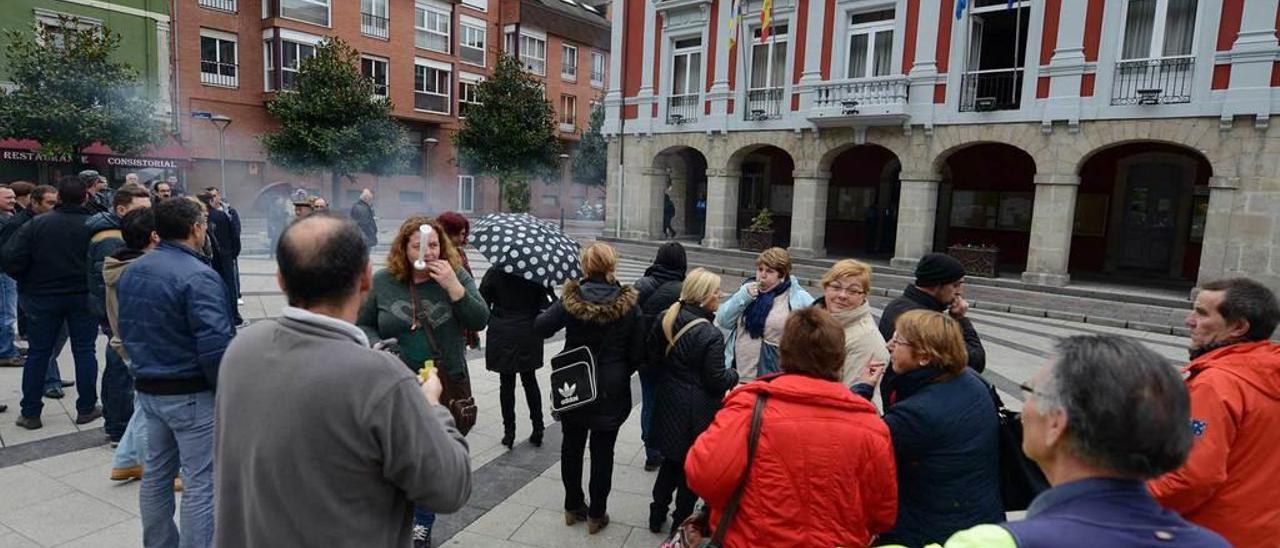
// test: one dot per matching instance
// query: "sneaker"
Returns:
(126, 474)
(421, 537)
(30, 423)
(54, 393)
(86, 418)
(16, 361)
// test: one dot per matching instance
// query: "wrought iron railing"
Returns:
(224, 5)
(1153, 81)
(682, 109)
(848, 95)
(431, 102)
(219, 74)
(375, 26)
(997, 89)
(763, 104)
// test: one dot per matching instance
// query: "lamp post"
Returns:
(564, 163)
(221, 122)
(429, 143)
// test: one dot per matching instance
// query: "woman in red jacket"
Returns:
(824, 470)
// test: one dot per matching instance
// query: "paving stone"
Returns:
(15, 540)
(641, 537)
(22, 486)
(543, 493)
(546, 528)
(58, 520)
(502, 521)
(126, 534)
(466, 539)
(96, 483)
(70, 463)
(1106, 322)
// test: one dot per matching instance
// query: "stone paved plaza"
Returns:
(55, 491)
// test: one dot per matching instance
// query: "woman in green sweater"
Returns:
(425, 299)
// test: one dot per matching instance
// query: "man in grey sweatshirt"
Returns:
(321, 441)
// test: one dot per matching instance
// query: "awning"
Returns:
(167, 154)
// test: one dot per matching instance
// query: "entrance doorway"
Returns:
(1155, 197)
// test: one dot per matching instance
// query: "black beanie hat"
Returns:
(935, 269)
(672, 256)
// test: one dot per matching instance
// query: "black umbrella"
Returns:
(521, 244)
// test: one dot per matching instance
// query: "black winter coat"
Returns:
(603, 317)
(362, 214)
(691, 381)
(946, 443)
(657, 290)
(914, 299)
(49, 254)
(514, 303)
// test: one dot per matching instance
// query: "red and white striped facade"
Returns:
(1038, 126)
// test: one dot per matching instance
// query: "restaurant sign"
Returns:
(121, 161)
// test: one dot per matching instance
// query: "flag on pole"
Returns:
(735, 19)
(960, 7)
(766, 19)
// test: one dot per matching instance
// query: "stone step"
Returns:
(1157, 311)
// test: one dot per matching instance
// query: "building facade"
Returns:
(1117, 139)
(426, 56)
(144, 27)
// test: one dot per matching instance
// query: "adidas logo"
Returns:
(568, 389)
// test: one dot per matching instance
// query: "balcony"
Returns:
(861, 101)
(223, 5)
(375, 26)
(431, 102)
(682, 109)
(763, 104)
(224, 75)
(988, 90)
(1153, 81)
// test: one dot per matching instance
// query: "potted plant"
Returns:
(758, 236)
(978, 259)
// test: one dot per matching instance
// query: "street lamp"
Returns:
(564, 162)
(221, 122)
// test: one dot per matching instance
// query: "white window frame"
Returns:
(1155, 49)
(468, 28)
(772, 43)
(568, 72)
(468, 80)
(533, 63)
(570, 123)
(53, 19)
(385, 13)
(268, 64)
(286, 42)
(386, 74)
(422, 24)
(603, 68)
(444, 68)
(328, 18)
(218, 79)
(872, 31)
(467, 189)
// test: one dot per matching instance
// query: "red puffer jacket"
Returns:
(824, 470)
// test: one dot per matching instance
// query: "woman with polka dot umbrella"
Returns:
(525, 246)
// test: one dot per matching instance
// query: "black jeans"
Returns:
(671, 478)
(571, 453)
(507, 397)
(117, 396)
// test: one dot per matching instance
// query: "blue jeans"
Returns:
(133, 444)
(8, 316)
(424, 517)
(53, 380)
(179, 436)
(117, 395)
(46, 315)
(648, 391)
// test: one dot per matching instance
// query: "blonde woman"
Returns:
(601, 314)
(686, 359)
(844, 295)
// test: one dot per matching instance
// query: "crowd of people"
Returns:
(343, 420)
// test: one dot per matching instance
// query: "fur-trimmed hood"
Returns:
(598, 302)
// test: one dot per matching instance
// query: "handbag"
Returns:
(693, 531)
(573, 379)
(1021, 479)
(456, 395)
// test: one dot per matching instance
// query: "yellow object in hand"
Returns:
(425, 372)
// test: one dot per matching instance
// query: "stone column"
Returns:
(1222, 246)
(613, 99)
(812, 75)
(647, 94)
(613, 189)
(164, 101)
(720, 93)
(809, 214)
(917, 210)
(1052, 221)
(924, 68)
(722, 209)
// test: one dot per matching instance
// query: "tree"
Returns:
(331, 121)
(511, 135)
(590, 164)
(69, 92)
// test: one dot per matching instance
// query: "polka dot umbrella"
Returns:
(534, 249)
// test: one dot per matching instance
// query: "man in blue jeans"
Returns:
(47, 258)
(175, 324)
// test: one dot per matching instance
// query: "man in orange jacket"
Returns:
(1229, 482)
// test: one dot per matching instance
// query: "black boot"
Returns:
(509, 436)
(536, 438)
(657, 516)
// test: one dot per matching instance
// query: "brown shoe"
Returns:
(126, 474)
(86, 418)
(594, 525)
(574, 516)
(177, 485)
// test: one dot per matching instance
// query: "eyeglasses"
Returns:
(898, 340)
(851, 290)
(1029, 389)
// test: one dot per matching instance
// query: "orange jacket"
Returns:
(824, 473)
(1230, 482)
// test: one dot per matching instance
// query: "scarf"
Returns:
(758, 311)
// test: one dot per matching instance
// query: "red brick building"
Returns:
(232, 56)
